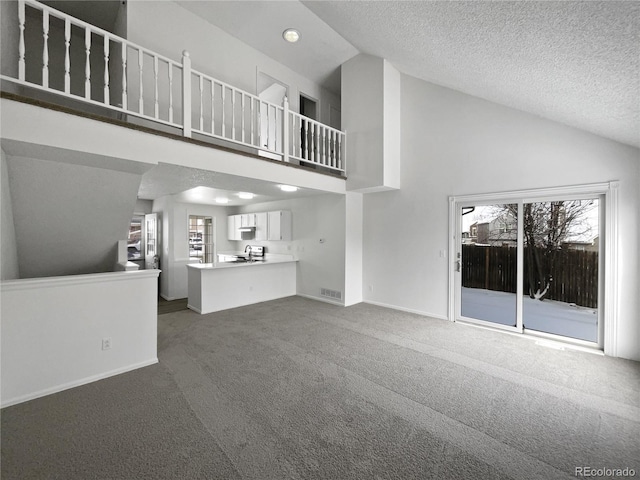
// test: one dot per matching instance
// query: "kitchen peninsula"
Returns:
(218, 286)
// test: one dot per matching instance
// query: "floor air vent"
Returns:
(325, 292)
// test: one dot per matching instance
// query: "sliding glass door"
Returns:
(531, 264)
(561, 267)
(488, 263)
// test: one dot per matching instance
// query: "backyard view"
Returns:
(560, 268)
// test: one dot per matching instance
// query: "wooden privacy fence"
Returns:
(573, 273)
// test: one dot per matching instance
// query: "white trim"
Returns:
(489, 324)
(191, 307)
(77, 383)
(609, 248)
(169, 299)
(454, 232)
(408, 310)
(611, 277)
(53, 282)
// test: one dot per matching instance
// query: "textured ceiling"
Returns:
(573, 62)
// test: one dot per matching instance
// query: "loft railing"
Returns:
(61, 54)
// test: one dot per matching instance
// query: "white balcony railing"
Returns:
(61, 54)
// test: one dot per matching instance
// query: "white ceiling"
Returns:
(575, 62)
(191, 185)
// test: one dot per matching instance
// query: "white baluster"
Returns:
(242, 121)
(285, 131)
(213, 109)
(324, 145)
(124, 76)
(45, 49)
(224, 126)
(107, 101)
(260, 143)
(170, 72)
(156, 105)
(317, 141)
(87, 68)
(253, 121)
(21, 48)
(334, 144)
(338, 162)
(306, 138)
(201, 89)
(186, 94)
(140, 67)
(233, 113)
(67, 58)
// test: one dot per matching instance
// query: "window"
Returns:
(134, 239)
(201, 238)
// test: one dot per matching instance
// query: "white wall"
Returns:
(167, 28)
(9, 248)
(68, 218)
(320, 265)
(52, 330)
(455, 144)
(175, 241)
(371, 116)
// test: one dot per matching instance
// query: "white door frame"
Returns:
(608, 279)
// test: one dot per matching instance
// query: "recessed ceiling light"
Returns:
(288, 188)
(291, 35)
(246, 195)
(222, 200)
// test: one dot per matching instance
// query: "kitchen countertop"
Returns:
(270, 259)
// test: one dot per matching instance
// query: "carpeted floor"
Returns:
(298, 389)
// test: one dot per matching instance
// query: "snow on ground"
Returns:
(544, 316)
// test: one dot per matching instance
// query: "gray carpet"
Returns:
(297, 389)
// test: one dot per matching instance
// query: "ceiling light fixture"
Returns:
(291, 35)
(222, 200)
(288, 188)
(246, 195)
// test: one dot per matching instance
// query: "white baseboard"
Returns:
(408, 310)
(168, 299)
(191, 307)
(76, 383)
(320, 299)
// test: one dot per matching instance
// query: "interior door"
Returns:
(151, 256)
(487, 264)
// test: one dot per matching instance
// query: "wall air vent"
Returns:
(335, 294)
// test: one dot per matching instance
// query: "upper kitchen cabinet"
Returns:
(279, 223)
(233, 227)
(247, 220)
(262, 226)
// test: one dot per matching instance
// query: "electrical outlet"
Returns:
(106, 343)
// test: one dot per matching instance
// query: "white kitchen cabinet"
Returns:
(261, 226)
(279, 225)
(233, 225)
(248, 220)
